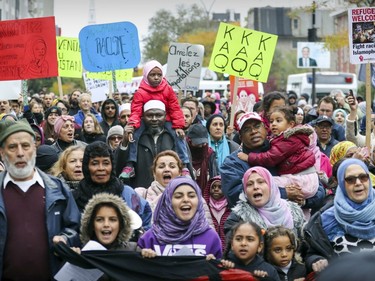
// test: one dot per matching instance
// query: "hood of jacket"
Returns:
(299, 129)
(125, 228)
(109, 101)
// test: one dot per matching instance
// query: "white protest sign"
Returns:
(184, 66)
(362, 35)
(10, 90)
(99, 89)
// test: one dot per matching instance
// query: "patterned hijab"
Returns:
(167, 227)
(276, 211)
(339, 151)
(346, 216)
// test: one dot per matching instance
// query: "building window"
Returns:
(295, 24)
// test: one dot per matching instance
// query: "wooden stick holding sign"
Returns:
(234, 103)
(368, 106)
(59, 84)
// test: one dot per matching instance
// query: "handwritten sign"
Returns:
(243, 52)
(69, 57)
(109, 46)
(362, 35)
(28, 49)
(124, 75)
(184, 66)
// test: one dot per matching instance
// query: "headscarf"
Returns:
(87, 188)
(339, 151)
(150, 66)
(346, 216)
(221, 147)
(276, 211)
(337, 111)
(60, 121)
(167, 227)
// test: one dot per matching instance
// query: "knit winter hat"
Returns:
(115, 130)
(46, 156)
(9, 127)
(52, 109)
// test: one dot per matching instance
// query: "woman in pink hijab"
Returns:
(260, 202)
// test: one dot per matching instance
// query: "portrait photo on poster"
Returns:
(312, 55)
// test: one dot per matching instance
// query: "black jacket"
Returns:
(296, 270)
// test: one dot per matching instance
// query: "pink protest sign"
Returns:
(28, 49)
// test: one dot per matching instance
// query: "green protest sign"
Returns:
(243, 52)
(69, 57)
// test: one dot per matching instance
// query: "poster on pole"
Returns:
(184, 66)
(111, 46)
(69, 57)
(243, 52)
(247, 93)
(28, 49)
(362, 35)
(313, 55)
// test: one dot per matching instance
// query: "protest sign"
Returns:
(124, 75)
(111, 46)
(362, 35)
(247, 93)
(28, 49)
(184, 66)
(243, 52)
(69, 57)
(10, 90)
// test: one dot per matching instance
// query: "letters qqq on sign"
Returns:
(243, 52)
(111, 46)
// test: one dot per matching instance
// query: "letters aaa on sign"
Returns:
(28, 49)
(109, 46)
(243, 52)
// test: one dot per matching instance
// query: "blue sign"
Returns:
(111, 46)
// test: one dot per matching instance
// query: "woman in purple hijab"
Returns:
(180, 224)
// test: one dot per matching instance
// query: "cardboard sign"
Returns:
(28, 49)
(124, 75)
(10, 90)
(184, 66)
(362, 34)
(69, 57)
(111, 46)
(247, 93)
(243, 52)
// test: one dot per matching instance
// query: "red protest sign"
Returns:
(28, 49)
(247, 93)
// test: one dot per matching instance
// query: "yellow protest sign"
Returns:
(69, 57)
(243, 52)
(124, 75)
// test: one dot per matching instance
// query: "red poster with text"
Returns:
(247, 93)
(28, 49)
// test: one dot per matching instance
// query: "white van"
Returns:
(325, 83)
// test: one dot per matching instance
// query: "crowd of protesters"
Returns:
(280, 194)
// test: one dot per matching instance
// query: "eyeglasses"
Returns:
(255, 127)
(109, 107)
(115, 138)
(353, 179)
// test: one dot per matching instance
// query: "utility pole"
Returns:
(312, 37)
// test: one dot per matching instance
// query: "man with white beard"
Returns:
(36, 210)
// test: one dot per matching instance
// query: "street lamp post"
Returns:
(312, 38)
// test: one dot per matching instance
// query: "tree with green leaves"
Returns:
(165, 28)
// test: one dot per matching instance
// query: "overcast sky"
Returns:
(73, 15)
